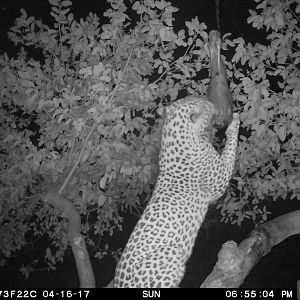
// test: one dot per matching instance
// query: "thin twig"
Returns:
(78, 158)
(295, 16)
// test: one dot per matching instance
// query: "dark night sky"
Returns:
(233, 15)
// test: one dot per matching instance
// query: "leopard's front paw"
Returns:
(234, 125)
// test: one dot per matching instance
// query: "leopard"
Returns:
(192, 175)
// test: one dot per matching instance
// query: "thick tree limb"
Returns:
(235, 262)
(81, 256)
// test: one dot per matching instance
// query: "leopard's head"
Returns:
(187, 120)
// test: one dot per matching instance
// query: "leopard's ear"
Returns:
(195, 116)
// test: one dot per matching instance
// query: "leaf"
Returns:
(78, 124)
(97, 69)
(167, 34)
(48, 252)
(105, 35)
(24, 75)
(24, 13)
(103, 182)
(56, 10)
(60, 118)
(70, 17)
(64, 11)
(55, 16)
(44, 37)
(260, 130)
(66, 3)
(136, 5)
(86, 71)
(27, 83)
(265, 92)
(101, 200)
(279, 19)
(105, 78)
(54, 2)
(193, 25)
(282, 133)
(30, 100)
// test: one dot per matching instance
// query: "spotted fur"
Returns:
(192, 174)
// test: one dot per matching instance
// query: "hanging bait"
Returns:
(218, 90)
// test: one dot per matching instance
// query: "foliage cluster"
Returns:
(266, 86)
